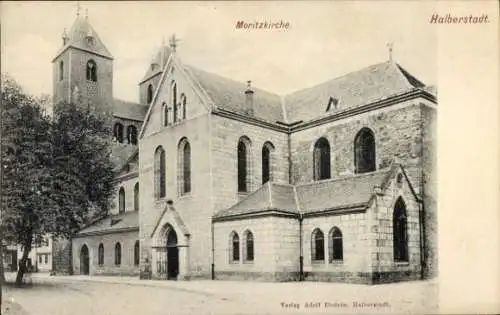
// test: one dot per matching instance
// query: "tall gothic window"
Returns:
(174, 101)
(321, 156)
(136, 253)
(118, 254)
(100, 255)
(243, 164)
(184, 169)
(91, 70)
(400, 233)
(317, 245)
(61, 70)
(118, 132)
(249, 246)
(136, 197)
(121, 200)
(150, 94)
(235, 247)
(160, 168)
(132, 134)
(165, 114)
(267, 161)
(364, 151)
(336, 249)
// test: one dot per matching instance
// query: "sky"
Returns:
(325, 39)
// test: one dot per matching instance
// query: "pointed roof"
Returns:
(129, 110)
(373, 83)
(164, 51)
(77, 38)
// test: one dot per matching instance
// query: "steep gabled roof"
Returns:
(114, 223)
(129, 110)
(230, 95)
(358, 88)
(121, 153)
(77, 38)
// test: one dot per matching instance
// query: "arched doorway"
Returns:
(84, 260)
(172, 254)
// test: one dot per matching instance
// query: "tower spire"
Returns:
(78, 8)
(173, 42)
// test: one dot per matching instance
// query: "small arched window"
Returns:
(235, 247)
(336, 249)
(184, 167)
(317, 245)
(61, 70)
(118, 132)
(136, 253)
(91, 71)
(165, 114)
(150, 94)
(400, 233)
(243, 164)
(174, 100)
(132, 135)
(159, 171)
(267, 162)
(364, 151)
(118, 254)
(184, 104)
(136, 197)
(100, 255)
(249, 246)
(121, 200)
(321, 156)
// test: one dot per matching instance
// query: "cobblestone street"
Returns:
(113, 295)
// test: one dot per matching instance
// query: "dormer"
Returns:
(332, 104)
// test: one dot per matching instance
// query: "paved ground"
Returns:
(122, 295)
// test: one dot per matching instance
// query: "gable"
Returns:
(197, 103)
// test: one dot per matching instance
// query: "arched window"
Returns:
(150, 94)
(317, 245)
(61, 70)
(132, 134)
(249, 246)
(91, 70)
(118, 254)
(364, 151)
(100, 255)
(321, 158)
(400, 233)
(118, 132)
(165, 114)
(174, 101)
(235, 247)
(160, 168)
(183, 102)
(136, 197)
(267, 162)
(243, 165)
(136, 253)
(184, 166)
(336, 250)
(121, 200)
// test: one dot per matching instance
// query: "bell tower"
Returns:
(83, 68)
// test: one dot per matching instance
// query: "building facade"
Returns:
(223, 180)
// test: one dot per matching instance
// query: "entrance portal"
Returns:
(84, 260)
(172, 255)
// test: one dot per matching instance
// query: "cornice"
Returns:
(113, 231)
(81, 49)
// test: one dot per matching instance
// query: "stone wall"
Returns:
(128, 186)
(397, 131)
(127, 241)
(225, 135)
(62, 256)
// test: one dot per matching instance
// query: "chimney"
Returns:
(249, 106)
(65, 37)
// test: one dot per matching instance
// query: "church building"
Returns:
(219, 179)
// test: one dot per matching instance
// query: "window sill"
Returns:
(234, 262)
(185, 195)
(248, 262)
(318, 262)
(337, 262)
(402, 263)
